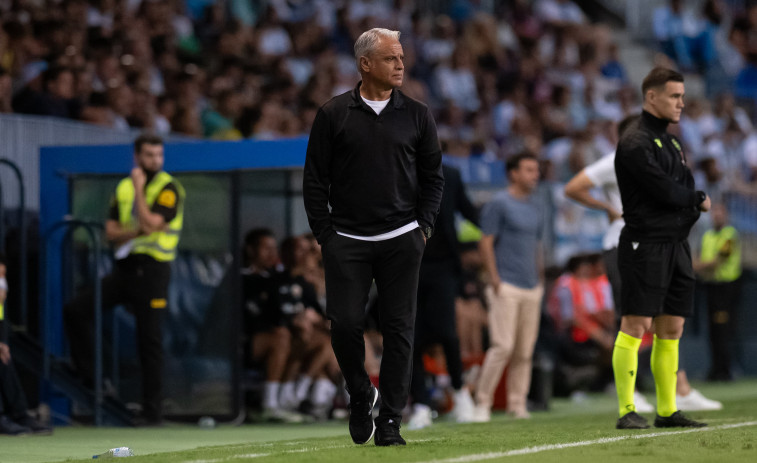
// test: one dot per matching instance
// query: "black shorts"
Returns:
(657, 279)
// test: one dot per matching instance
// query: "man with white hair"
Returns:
(372, 187)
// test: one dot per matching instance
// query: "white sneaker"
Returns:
(641, 403)
(288, 397)
(421, 417)
(695, 401)
(463, 411)
(481, 414)
(279, 415)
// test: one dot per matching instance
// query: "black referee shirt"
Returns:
(656, 186)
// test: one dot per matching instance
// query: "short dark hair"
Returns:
(52, 74)
(658, 77)
(574, 263)
(514, 161)
(256, 235)
(146, 139)
(252, 240)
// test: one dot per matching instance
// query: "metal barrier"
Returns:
(92, 229)
(22, 244)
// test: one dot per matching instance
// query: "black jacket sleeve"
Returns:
(640, 163)
(429, 171)
(316, 179)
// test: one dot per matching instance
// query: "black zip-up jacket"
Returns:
(656, 186)
(375, 173)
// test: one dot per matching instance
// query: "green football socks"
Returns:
(664, 368)
(625, 362)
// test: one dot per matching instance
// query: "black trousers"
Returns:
(350, 266)
(436, 322)
(12, 398)
(141, 284)
(722, 304)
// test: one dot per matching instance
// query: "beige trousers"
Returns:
(514, 316)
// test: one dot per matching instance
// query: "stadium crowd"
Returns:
(523, 76)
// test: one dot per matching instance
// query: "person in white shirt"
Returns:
(601, 174)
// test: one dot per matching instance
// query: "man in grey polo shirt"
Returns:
(512, 226)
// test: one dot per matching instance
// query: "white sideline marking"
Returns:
(604, 440)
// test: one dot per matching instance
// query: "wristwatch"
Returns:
(427, 231)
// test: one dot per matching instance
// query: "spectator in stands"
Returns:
(749, 161)
(534, 45)
(559, 13)
(718, 20)
(14, 415)
(267, 336)
(218, 122)
(312, 362)
(455, 80)
(144, 224)
(682, 36)
(311, 267)
(96, 111)
(471, 313)
(710, 176)
(512, 227)
(121, 104)
(581, 308)
(57, 97)
(746, 80)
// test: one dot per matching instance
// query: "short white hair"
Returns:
(366, 43)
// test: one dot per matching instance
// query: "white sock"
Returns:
(323, 392)
(287, 398)
(271, 395)
(303, 387)
(420, 407)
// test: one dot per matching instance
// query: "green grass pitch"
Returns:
(568, 433)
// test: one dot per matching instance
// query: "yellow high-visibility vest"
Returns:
(160, 245)
(715, 242)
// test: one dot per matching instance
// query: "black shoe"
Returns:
(362, 426)
(632, 420)
(35, 426)
(11, 428)
(677, 420)
(388, 433)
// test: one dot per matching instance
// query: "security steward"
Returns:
(720, 268)
(144, 223)
(660, 205)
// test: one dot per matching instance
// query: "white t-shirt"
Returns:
(379, 106)
(602, 174)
